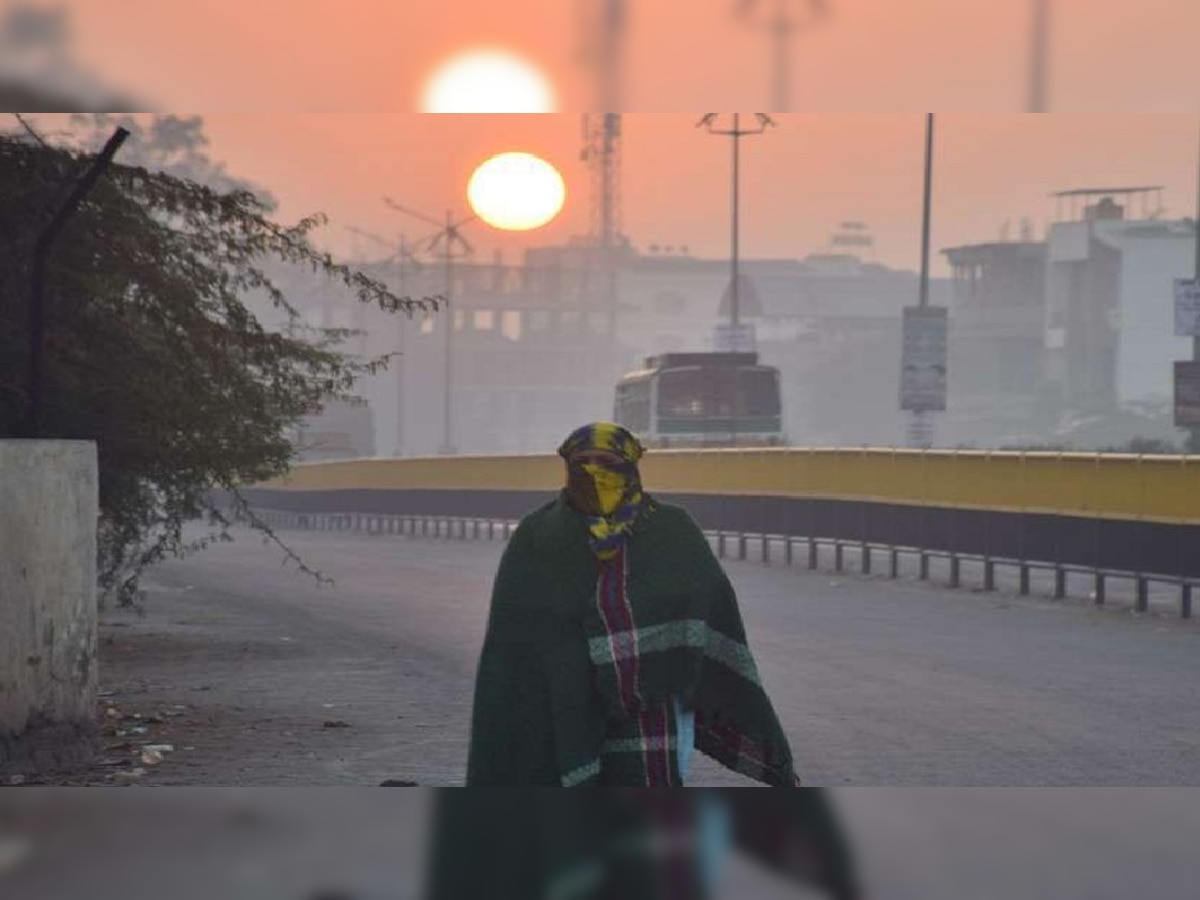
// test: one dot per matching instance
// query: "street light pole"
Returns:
(33, 418)
(921, 427)
(927, 210)
(1194, 444)
(781, 30)
(781, 25)
(402, 257)
(735, 225)
(735, 134)
(1038, 58)
(447, 448)
(449, 233)
(401, 336)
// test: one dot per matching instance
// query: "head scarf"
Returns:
(609, 495)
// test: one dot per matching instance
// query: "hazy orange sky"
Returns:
(799, 180)
(309, 99)
(681, 55)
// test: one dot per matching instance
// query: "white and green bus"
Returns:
(702, 400)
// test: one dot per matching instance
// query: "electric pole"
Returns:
(448, 244)
(1039, 56)
(1194, 443)
(735, 134)
(920, 434)
(781, 24)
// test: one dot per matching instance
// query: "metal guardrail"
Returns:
(729, 544)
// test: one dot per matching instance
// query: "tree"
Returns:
(174, 145)
(152, 352)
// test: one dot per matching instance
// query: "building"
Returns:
(998, 386)
(1109, 329)
(535, 354)
(1070, 340)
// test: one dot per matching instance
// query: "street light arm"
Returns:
(411, 212)
(370, 236)
(468, 249)
(764, 122)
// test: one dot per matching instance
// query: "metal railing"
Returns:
(736, 545)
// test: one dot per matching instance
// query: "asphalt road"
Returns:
(917, 844)
(877, 683)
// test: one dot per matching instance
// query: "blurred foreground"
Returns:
(301, 844)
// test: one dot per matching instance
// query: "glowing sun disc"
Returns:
(516, 191)
(487, 81)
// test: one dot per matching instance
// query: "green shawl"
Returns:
(546, 701)
(610, 845)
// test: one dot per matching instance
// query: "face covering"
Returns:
(609, 487)
(609, 494)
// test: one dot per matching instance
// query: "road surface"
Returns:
(263, 678)
(259, 844)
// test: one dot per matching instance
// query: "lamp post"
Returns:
(735, 134)
(403, 257)
(781, 24)
(35, 376)
(450, 245)
(1038, 56)
(1194, 437)
(920, 434)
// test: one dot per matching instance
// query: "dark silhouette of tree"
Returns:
(174, 145)
(152, 351)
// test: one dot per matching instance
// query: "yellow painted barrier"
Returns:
(1151, 488)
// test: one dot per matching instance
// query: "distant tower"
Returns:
(602, 153)
(603, 24)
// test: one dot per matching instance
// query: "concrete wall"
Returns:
(48, 683)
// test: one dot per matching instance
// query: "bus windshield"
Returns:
(709, 393)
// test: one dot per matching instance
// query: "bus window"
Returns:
(633, 406)
(758, 393)
(709, 393)
(682, 394)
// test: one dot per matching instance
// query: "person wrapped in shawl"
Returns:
(634, 844)
(615, 644)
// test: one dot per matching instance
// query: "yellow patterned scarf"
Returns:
(609, 494)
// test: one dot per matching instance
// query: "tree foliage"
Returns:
(174, 145)
(152, 351)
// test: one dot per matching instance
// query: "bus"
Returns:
(702, 400)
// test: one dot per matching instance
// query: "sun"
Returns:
(487, 81)
(516, 191)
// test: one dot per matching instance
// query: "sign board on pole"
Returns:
(1187, 394)
(735, 339)
(1187, 307)
(923, 359)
